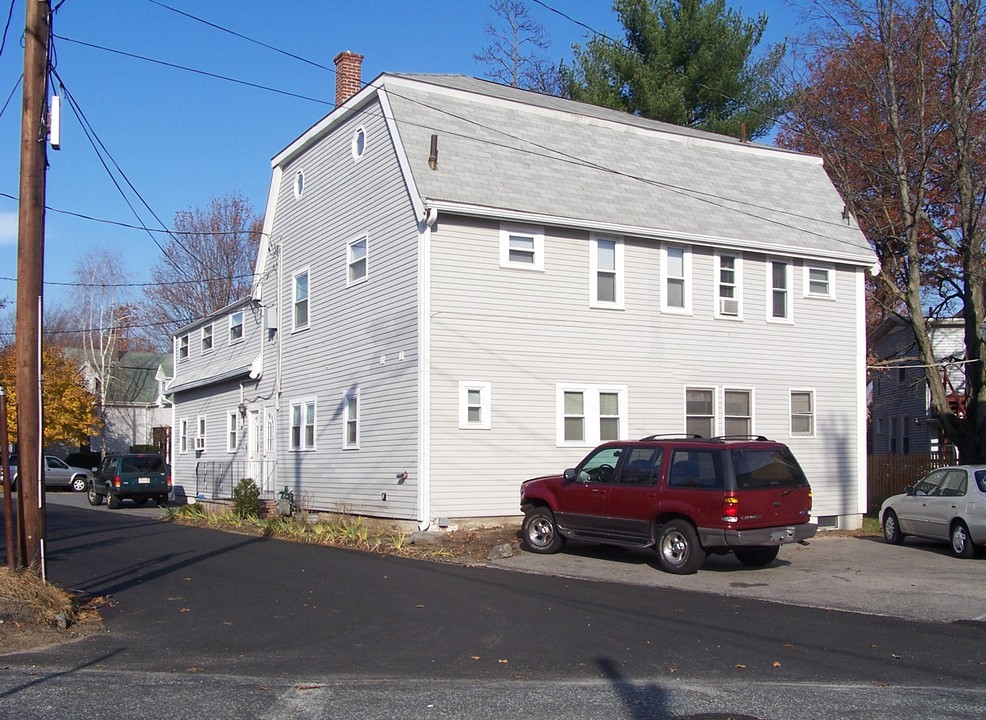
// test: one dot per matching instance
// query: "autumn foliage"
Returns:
(69, 408)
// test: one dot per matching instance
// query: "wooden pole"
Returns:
(8, 500)
(30, 279)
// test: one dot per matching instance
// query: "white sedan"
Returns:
(949, 504)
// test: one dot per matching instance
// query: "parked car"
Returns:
(949, 504)
(685, 497)
(135, 476)
(58, 473)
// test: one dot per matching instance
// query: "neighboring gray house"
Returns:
(463, 285)
(901, 418)
(138, 409)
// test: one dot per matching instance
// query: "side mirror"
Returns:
(569, 474)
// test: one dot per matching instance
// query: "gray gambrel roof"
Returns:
(518, 155)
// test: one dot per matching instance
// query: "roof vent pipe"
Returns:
(433, 153)
(349, 75)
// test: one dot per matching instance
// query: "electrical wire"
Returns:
(6, 27)
(10, 97)
(54, 283)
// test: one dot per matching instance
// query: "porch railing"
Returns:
(215, 480)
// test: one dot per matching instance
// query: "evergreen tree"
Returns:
(686, 62)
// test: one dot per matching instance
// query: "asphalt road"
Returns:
(209, 623)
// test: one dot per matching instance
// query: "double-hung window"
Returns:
(803, 413)
(200, 433)
(737, 412)
(350, 439)
(606, 272)
(356, 258)
(183, 435)
(303, 425)
(700, 411)
(818, 282)
(183, 348)
(299, 299)
(207, 339)
(236, 327)
(521, 247)
(591, 414)
(676, 270)
(474, 405)
(232, 430)
(729, 273)
(779, 291)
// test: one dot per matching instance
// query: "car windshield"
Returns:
(775, 467)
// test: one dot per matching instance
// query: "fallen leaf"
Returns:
(741, 666)
(475, 657)
(419, 606)
(788, 645)
(184, 610)
(895, 656)
(307, 687)
(776, 663)
(673, 669)
(193, 670)
(503, 661)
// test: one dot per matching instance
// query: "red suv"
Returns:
(686, 497)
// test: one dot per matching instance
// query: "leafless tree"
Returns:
(896, 106)
(513, 52)
(207, 264)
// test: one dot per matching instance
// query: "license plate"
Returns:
(144, 481)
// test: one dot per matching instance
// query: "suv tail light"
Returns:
(810, 499)
(730, 509)
(116, 481)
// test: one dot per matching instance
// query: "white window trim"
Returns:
(303, 404)
(737, 284)
(753, 406)
(183, 436)
(233, 324)
(354, 148)
(590, 395)
(298, 184)
(789, 277)
(211, 336)
(349, 262)
(182, 344)
(594, 301)
(346, 445)
(485, 397)
(201, 432)
(233, 427)
(806, 290)
(687, 269)
(716, 404)
(537, 233)
(814, 413)
(294, 299)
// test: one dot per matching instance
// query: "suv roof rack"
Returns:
(725, 438)
(674, 436)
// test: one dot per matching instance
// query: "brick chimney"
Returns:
(349, 78)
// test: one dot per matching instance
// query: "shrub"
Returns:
(246, 499)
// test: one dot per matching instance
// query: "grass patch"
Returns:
(24, 597)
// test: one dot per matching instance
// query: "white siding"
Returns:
(362, 338)
(526, 331)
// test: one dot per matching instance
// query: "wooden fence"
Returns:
(888, 475)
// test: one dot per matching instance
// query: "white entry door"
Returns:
(255, 448)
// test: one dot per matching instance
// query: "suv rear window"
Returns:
(136, 464)
(757, 469)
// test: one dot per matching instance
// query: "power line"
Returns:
(185, 68)
(12, 91)
(54, 283)
(6, 27)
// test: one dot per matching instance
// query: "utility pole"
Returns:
(30, 280)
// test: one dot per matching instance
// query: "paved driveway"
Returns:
(919, 580)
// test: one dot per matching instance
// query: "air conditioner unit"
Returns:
(200, 443)
(728, 306)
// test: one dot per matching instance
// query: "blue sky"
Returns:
(182, 138)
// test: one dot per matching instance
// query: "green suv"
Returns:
(136, 476)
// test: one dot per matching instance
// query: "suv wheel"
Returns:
(540, 532)
(678, 549)
(113, 501)
(94, 497)
(79, 483)
(757, 556)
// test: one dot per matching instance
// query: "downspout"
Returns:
(424, 368)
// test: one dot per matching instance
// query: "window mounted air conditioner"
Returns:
(728, 306)
(200, 443)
